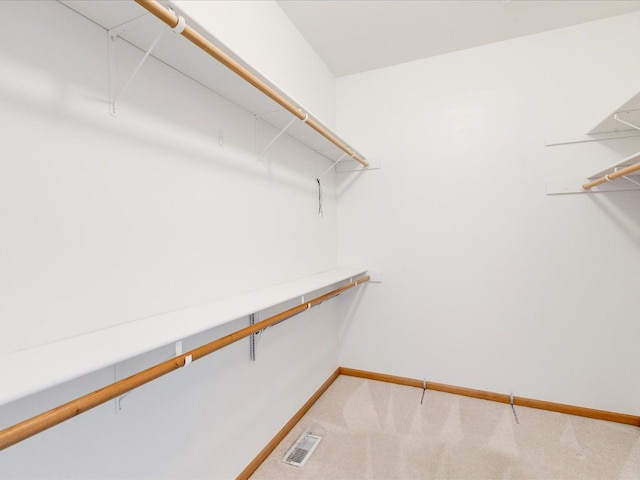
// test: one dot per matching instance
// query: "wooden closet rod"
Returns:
(32, 426)
(612, 176)
(171, 19)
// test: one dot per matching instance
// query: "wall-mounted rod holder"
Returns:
(112, 35)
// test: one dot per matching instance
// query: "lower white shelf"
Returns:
(632, 182)
(35, 369)
(627, 162)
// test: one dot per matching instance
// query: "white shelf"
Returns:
(607, 129)
(36, 369)
(630, 160)
(179, 53)
(569, 186)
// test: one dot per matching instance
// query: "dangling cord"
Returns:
(320, 211)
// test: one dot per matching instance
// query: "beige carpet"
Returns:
(378, 430)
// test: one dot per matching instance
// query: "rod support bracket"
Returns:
(180, 26)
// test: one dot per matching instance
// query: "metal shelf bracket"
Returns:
(624, 122)
(624, 176)
(178, 352)
(332, 166)
(112, 37)
(286, 127)
(276, 137)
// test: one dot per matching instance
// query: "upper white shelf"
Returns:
(179, 53)
(35, 369)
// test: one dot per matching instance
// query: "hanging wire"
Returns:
(320, 211)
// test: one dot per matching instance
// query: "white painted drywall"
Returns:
(105, 220)
(262, 35)
(108, 219)
(488, 282)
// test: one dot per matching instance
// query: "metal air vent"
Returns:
(300, 452)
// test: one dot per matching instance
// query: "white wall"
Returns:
(488, 282)
(261, 34)
(105, 220)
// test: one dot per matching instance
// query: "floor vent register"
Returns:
(300, 452)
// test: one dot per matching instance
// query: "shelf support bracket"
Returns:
(277, 136)
(113, 34)
(112, 38)
(632, 181)
(624, 122)
(332, 166)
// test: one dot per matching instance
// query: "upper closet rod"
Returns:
(612, 176)
(172, 20)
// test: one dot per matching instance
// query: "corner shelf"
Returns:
(35, 369)
(177, 52)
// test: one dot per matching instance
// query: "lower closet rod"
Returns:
(612, 176)
(32, 426)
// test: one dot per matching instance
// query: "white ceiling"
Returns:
(354, 36)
